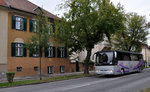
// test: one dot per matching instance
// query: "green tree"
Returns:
(133, 35)
(86, 23)
(40, 38)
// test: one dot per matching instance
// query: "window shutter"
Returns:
(53, 51)
(48, 69)
(31, 25)
(24, 50)
(13, 22)
(25, 24)
(46, 52)
(60, 69)
(65, 52)
(58, 52)
(13, 49)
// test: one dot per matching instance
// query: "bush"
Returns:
(10, 76)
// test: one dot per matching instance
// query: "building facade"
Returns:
(146, 54)
(16, 26)
(104, 45)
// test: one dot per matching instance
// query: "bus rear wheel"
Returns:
(122, 72)
(139, 70)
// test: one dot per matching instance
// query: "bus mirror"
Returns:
(115, 54)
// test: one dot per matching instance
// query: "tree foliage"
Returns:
(86, 23)
(133, 35)
(39, 39)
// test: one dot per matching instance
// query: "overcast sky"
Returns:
(142, 7)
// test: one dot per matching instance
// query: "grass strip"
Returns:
(27, 82)
(147, 90)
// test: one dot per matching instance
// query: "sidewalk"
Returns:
(43, 77)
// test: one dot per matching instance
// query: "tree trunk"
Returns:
(40, 54)
(40, 69)
(86, 70)
(129, 48)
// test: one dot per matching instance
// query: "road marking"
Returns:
(86, 84)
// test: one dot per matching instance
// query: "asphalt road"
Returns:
(128, 83)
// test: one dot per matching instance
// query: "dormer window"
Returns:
(38, 9)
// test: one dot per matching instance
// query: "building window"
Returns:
(35, 68)
(33, 24)
(50, 69)
(34, 52)
(18, 50)
(50, 52)
(53, 27)
(62, 52)
(62, 69)
(19, 23)
(19, 69)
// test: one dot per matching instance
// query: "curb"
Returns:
(45, 82)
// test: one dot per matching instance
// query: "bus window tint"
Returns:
(140, 57)
(123, 56)
(134, 57)
(104, 58)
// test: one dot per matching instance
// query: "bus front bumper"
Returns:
(104, 72)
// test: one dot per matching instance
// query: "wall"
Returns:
(146, 54)
(98, 47)
(28, 63)
(3, 35)
(3, 39)
(81, 67)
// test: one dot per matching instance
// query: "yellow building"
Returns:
(16, 25)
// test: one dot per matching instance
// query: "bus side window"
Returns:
(126, 57)
(119, 56)
(134, 57)
(140, 57)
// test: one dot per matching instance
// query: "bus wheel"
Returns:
(139, 70)
(122, 72)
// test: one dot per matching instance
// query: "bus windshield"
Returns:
(104, 58)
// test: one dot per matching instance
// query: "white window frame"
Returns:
(19, 49)
(50, 69)
(62, 52)
(34, 25)
(19, 23)
(19, 69)
(50, 51)
(62, 69)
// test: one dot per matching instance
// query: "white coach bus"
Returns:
(118, 62)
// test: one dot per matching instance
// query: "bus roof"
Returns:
(117, 51)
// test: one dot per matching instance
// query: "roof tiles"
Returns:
(25, 5)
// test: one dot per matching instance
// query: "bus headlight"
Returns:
(97, 71)
(111, 71)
